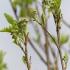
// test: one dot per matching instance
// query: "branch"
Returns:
(14, 10)
(57, 19)
(21, 47)
(37, 52)
(26, 52)
(65, 23)
(46, 31)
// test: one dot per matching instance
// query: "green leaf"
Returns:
(43, 19)
(29, 1)
(10, 19)
(7, 29)
(3, 66)
(64, 39)
(23, 12)
(24, 59)
(32, 12)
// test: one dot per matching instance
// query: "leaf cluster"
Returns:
(16, 29)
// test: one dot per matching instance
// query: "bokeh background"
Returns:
(13, 56)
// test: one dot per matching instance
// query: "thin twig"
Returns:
(57, 19)
(46, 31)
(26, 52)
(21, 48)
(46, 49)
(58, 40)
(40, 56)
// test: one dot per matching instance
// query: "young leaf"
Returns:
(64, 39)
(32, 12)
(7, 29)
(10, 19)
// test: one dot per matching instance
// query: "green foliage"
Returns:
(65, 58)
(23, 5)
(29, 1)
(8, 29)
(53, 5)
(17, 29)
(23, 12)
(22, 2)
(43, 19)
(10, 19)
(32, 12)
(63, 39)
(24, 59)
(3, 66)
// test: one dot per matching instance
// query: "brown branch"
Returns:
(44, 26)
(57, 19)
(26, 53)
(46, 50)
(58, 40)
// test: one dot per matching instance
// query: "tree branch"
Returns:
(37, 52)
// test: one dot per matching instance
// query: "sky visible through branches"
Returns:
(13, 56)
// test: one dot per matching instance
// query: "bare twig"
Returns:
(40, 56)
(46, 31)
(57, 19)
(14, 10)
(21, 47)
(26, 52)
(46, 46)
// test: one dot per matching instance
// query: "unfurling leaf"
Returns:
(7, 29)
(63, 39)
(10, 19)
(32, 12)
(53, 39)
